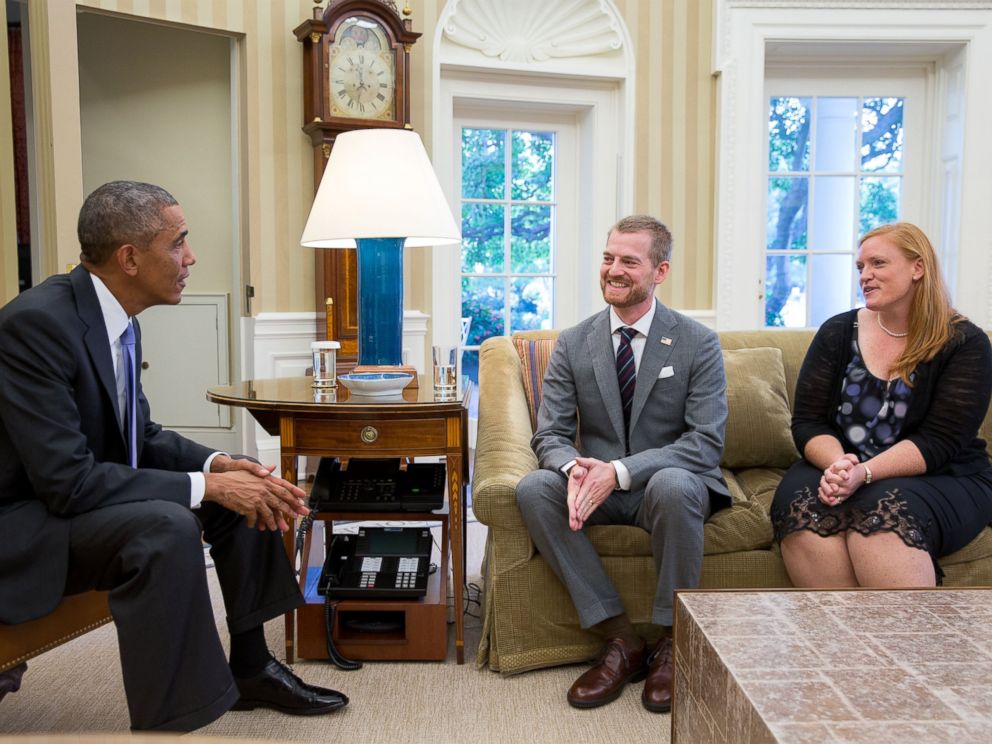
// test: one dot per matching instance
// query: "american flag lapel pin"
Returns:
(666, 340)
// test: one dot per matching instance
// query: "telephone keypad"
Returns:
(370, 489)
(406, 573)
(370, 569)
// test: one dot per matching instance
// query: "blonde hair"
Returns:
(932, 320)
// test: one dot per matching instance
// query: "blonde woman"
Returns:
(889, 401)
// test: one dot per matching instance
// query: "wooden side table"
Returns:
(414, 424)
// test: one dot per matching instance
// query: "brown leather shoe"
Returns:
(603, 683)
(657, 695)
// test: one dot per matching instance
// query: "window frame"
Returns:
(564, 202)
(602, 184)
(908, 81)
(957, 191)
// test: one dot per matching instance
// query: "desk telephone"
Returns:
(378, 485)
(383, 562)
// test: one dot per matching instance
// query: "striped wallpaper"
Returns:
(674, 131)
(8, 209)
(675, 125)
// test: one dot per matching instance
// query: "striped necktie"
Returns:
(626, 373)
(130, 395)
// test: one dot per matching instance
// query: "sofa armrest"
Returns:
(502, 449)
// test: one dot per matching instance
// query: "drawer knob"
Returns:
(369, 434)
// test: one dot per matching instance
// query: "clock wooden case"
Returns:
(356, 75)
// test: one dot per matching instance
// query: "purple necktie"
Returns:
(626, 373)
(130, 395)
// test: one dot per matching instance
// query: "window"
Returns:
(563, 177)
(508, 214)
(835, 171)
(930, 57)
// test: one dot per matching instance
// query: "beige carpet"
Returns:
(77, 688)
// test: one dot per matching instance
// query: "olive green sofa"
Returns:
(529, 621)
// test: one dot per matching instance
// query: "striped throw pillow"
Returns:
(534, 356)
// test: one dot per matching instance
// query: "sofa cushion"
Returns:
(534, 355)
(746, 525)
(793, 344)
(759, 484)
(743, 526)
(978, 549)
(759, 421)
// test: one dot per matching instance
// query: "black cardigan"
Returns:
(949, 401)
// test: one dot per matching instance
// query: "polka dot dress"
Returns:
(871, 411)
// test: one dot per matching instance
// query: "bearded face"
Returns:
(627, 276)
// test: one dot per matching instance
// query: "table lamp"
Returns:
(378, 193)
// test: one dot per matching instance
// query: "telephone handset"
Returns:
(335, 565)
(386, 562)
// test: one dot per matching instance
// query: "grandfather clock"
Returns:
(356, 75)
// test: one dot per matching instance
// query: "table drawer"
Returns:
(375, 435)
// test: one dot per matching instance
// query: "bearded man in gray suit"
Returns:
(630, 431)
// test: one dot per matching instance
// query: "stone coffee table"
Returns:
(906, 666)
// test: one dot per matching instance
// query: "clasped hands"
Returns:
(840, 480)
(250, 489)
(590, 482)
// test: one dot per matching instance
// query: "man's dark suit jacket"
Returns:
(62, 452)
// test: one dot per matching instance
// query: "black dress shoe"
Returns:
(278, 688)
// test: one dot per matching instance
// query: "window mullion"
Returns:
(856, 224)
(507, 228)
(811, 174)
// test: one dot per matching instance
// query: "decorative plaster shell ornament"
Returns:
(531, 31)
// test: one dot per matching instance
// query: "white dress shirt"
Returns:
(642, 325)
(115, 319)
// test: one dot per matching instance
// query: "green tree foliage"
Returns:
(483, 303)
(881, 140)
(879, 203)
(492, 160)
(483, 163)
(788, 134)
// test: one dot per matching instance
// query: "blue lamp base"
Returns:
(380, 301)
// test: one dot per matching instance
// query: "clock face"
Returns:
(362, 71)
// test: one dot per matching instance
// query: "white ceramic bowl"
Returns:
(376, 383)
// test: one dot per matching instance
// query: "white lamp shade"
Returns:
(379, 183)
